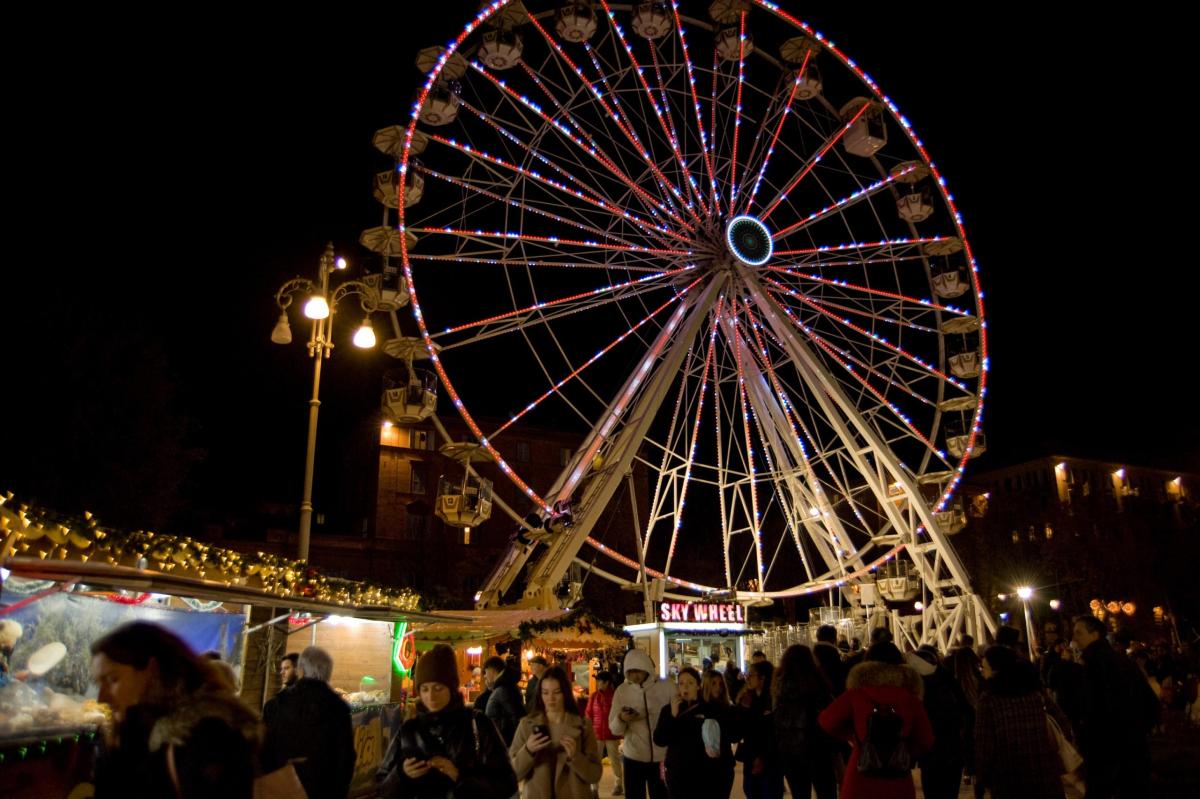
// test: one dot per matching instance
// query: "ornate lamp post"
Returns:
(320, 306)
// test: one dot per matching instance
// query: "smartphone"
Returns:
(541, 729)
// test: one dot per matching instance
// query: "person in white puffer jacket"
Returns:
(635, 708)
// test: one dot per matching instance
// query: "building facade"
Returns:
(1086, 534)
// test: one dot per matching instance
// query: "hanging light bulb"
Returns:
(340, 263)
(316, 307)
(364, 337)
(282, 334)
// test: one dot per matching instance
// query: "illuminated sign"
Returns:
(725, 612)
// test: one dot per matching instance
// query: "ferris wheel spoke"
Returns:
(872, 314)
(511, 262)
(908, 424)
(671, 191)
(524, 206)
(663, 113)
(611, 169)
(737, 114)
(895, 249)
(812, 162)
(843, 284)
(873, 336)
(529, 175)
(555, 241)
(676, 141)
(705, 145)
(585, 300)
(600, 354)
(784, 112)
(623, 121)
(846, 202)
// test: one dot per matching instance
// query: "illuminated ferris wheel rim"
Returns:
(756, 259)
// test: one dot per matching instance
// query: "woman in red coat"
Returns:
(880, 681)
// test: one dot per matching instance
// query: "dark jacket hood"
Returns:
(872, 674)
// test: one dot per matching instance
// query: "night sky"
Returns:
(167, 183)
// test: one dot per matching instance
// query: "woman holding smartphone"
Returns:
(555, 750)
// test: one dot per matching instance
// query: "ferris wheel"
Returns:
(703, 236)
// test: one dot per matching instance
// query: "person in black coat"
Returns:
(309, 725)
(950, 715)
(505, 706)
(1119, 711)
(829, 658)
(694, 767)
(762, 775)
(808, 754)
(448, 749)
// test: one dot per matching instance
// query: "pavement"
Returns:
(967, 792)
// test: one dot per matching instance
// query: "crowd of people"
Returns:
(819, 721)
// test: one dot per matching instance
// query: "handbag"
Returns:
(1067, 753)
(282, 783)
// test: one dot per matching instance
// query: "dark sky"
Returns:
(168, 181)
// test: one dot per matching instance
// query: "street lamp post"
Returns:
(320, 306)
(1025, 593)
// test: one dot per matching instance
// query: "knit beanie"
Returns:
(437, 665)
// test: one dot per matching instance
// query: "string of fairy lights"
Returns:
(37, 533)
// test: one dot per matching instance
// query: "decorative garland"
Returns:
(30, 532)
(578, 619)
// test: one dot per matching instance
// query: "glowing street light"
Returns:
(1026, 593)
(320, 306)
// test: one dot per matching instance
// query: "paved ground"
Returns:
(606, 786)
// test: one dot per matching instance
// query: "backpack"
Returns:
(884, 752)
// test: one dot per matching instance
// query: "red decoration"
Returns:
(122, 599)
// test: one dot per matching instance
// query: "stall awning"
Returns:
(479, 625)
(103, 575)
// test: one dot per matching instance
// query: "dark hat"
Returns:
(437, 665)
(539, 659)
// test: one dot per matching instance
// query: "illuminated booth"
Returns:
(685, 633)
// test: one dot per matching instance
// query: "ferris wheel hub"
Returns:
(748, 240)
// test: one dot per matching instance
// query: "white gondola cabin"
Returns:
(952, 518)
(409, 395)
(966, 364)
(501, 49)
(387, 183)
(730, 47)
(466, 502)
(950, 282)
(441, 106)
(576, 22)
(868, 134)
(896, 581)
(651, 20)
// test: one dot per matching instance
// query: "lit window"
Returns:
(1049, 532)
(416, 483)
(564, 456)
(523, 451)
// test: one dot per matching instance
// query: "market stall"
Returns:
(476, 635)
(572, 638)
(67, 582)
(688, 633)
